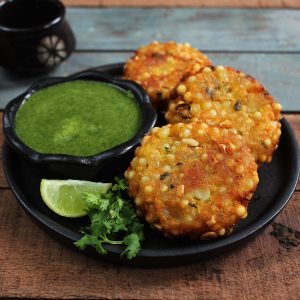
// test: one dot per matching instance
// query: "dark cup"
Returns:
(34, 35)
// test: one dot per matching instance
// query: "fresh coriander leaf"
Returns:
(133, 245)
(86, 240)
(138, 228)
(103, 204)
(98, 216)
(100, 248)
(119, 225)
(92, 200)
(120, 185)
(100, 228)
(112, 215)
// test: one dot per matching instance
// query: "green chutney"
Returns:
(79, 118)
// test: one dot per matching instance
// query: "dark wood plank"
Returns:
(3, 182)
(279, 73)
(185, 3)
(207, 29)
(33, 264)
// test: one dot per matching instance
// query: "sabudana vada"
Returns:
(233, 100)
(192, 180)
(158, 67)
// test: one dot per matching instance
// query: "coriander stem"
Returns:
(106, 240)
(114, 242)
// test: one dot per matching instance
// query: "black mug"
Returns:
(34, 35)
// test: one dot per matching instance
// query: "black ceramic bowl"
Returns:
(75, 167)
(34, 35)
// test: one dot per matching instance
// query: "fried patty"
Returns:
(158, 67)
(227, 97)
(192, 180)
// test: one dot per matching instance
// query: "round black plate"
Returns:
(277, 183)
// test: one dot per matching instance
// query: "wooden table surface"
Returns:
(184, 3)
(264, 43)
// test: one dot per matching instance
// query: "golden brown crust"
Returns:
(192, 180)
(158, 67)
(231, 99)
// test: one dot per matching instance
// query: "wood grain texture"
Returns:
(33, 264)
(279, 73)
(207, 29)
(185, 3)
(3, 182)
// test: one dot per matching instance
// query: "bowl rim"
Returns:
(60, 17)
(148, 120)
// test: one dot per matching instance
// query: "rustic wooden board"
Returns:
(3, 182)
(278, 72)
(33, 264)
(184, 3)
(207, 29)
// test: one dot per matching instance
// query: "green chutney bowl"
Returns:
(102, 166)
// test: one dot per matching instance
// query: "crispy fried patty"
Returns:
(192, 180)
(231, 99)
(158, 67)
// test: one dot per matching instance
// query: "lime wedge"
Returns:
(66, 197)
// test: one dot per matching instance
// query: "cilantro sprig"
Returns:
(113, 221)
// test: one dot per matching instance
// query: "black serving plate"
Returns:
(277, 183)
